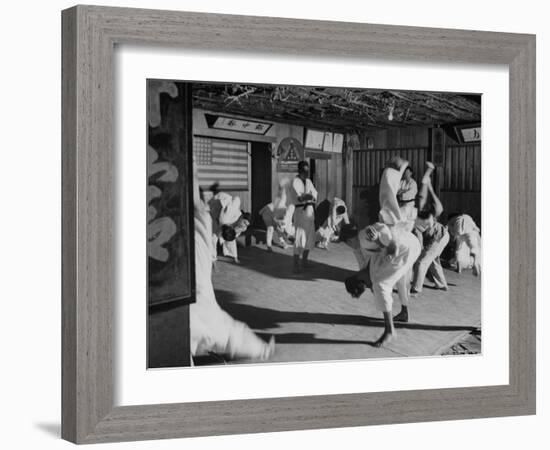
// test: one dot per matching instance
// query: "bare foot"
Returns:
(386, 338)
(429, 169)
(403, 316)
(476, 270)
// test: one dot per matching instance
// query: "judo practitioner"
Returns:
(277, 217)
(393, 214)
(406, 195)
(466, 236)
(304, 198)
(228, 223)
(432, 235)
(385, 255)
(211, 328)
(390, 182)
(329, 230)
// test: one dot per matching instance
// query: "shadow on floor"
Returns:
(307, 338)
(279, 265)
(260, 318)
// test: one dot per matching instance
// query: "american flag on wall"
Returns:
(222, 161)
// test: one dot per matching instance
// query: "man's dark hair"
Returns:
(214, 188)
(355, 286)
(426, 212)
(409, 169)
(341, 209)
(246, 216)
(348, 231)
(228, 233)
(302, 164)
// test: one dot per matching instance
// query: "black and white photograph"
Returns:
(290, 223)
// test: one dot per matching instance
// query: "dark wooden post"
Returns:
(437, 157)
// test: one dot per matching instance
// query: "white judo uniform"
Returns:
(277, 217)
(468, 241)
(388, 270)
(327, 231)
(406, 196)
(400, 219)
(224, 210)
(278, 222)
(390, 211)
(211, 328)
(304, 215)
(434, 237)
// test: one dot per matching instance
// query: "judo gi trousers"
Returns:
(429, 261)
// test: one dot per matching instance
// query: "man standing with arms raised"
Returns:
(304, 197)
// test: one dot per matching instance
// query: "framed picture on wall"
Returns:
(284, 280)
(468, 133)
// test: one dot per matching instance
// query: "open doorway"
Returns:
(260, 180)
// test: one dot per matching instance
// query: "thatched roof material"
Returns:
(344, 109)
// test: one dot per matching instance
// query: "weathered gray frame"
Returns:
(89, 36)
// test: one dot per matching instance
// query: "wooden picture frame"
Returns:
(89, 36)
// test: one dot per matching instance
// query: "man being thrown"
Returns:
(304, 197)
(393, 214)
(211, 328)
(432, 235)
(328, 231)
(385, 255)
(228, 223)
(385, 251)
(467, 238)
(277, 217)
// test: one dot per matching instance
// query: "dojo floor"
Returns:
(313, 318)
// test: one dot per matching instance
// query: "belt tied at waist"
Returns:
(303, 205)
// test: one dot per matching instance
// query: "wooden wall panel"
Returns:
(368, 164)
(462, 168)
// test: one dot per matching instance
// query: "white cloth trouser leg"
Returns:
(403, 288)
(271, 232)
(304, 221)
(269, 235)
(387, 273)
(429, 260)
